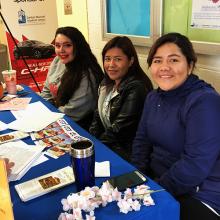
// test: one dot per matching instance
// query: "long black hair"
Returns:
(125, 44)
(84, 63)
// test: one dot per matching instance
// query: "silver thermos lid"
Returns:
(82, 149)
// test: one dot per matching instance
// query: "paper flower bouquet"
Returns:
(78, 206)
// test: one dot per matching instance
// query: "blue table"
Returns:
(49, 206)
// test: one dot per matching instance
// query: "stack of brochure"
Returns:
(45, 184)
(15, 151)
(55, 180)
(56, 138)
(12, 136)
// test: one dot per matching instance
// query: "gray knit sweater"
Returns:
(82, 102)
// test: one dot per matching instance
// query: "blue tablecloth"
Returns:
(49, 206)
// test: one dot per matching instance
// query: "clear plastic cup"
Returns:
(9, 77)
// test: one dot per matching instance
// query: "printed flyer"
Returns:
(56, 138)
(33, 24)
(206, 14)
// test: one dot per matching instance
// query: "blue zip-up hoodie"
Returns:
(178, 138)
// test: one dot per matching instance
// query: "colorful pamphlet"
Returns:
(52, 129)
(47, 132)
(57, 137)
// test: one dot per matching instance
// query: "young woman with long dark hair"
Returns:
(73, 77)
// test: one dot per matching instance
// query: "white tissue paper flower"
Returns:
(82, 204)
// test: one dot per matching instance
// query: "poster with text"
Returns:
(206, 14)
(33, 24)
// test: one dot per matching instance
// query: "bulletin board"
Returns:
(140, 20)
(177, 17)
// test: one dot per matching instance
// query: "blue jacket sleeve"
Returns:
(142, 147)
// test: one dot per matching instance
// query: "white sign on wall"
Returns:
(206, 14)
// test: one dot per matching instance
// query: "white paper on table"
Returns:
(102, 169)
(22, 154)
(40, 160)
(34, 118)
(3, 126)
(33, 108)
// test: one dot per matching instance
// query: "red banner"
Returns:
(38, 59)
(33, 24)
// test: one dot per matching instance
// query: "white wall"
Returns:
(208, 67)
(78, 18)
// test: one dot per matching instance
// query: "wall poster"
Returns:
(206, 14)
(33, 24)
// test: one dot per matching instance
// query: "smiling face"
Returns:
(116, 64)
(64, 48)
(169, 68)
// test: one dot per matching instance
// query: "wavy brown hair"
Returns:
(84, 63)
